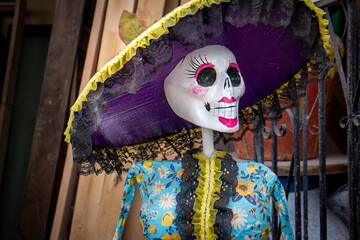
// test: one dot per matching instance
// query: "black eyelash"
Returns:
(195, 63)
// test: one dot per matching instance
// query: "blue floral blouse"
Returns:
(198, 198)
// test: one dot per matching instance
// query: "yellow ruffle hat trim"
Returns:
(154, 32)
(206, 195)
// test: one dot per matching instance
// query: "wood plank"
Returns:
(90, 219)
(69, 180)
(48, 136)
(184, 1)
(11, 72)
(110, 42)
(67, 189)
(98, 200)
(150, 10)
(7, 6)
(133, 228)
(170, 5)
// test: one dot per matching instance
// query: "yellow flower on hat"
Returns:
(245, 188)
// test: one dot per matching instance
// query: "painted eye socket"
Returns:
(234, 74)
(206, 77)
(202, 71)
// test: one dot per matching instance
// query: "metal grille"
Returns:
(351, 122)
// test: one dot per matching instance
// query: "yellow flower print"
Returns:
(175, 236)
(180, 172)
(252, 169)
(266, 231)
(122, 222)
(245, 188)
(152, 229)
(132, 182)
(142, 225)
(167, 219)
(147, 164)
(140, 177)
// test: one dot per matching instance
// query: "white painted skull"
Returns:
(205, 87)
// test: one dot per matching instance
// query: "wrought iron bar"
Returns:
(322, 158)
(305, 126)
(258, 139)
(290, 176)
(297, 184)
(274, 136)
(340, 68)
(288, 185)
(273, 142)
(255, 140)
(352, 146)
(261, 142)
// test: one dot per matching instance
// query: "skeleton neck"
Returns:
(208, 141)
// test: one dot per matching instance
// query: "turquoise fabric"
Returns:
(159, 183)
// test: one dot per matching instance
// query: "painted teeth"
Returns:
(226, 110)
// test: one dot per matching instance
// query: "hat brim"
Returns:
(124, 103)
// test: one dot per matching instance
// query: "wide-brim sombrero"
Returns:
(122, 115)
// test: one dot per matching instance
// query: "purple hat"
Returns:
(122, 115)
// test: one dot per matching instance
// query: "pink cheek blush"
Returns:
(242, 89)
(197, 90)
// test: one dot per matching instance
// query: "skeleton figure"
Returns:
(207, 195)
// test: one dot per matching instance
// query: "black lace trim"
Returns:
(186, 197)
(120, 159)
(222, 226)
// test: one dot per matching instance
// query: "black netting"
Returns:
(168, 148)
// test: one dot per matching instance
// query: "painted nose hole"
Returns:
(227, 83)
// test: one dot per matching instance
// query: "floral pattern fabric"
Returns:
(160, 183)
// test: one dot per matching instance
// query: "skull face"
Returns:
(205, 87)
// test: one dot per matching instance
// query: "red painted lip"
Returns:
(229, 122)
(227, 100)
